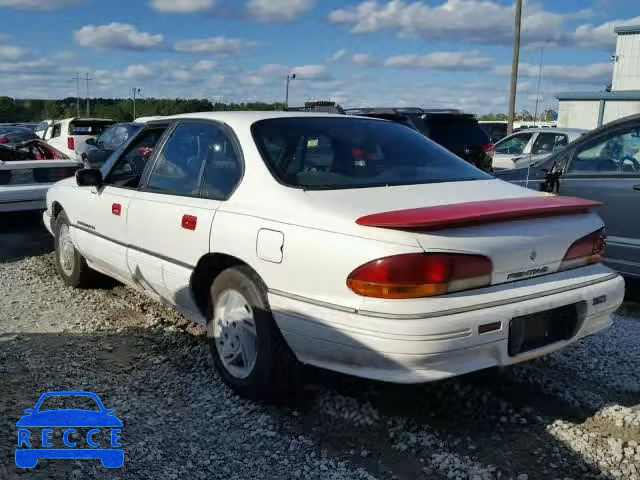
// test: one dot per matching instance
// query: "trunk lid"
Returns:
(518, 247)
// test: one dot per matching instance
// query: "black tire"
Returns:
(79, 275)
(276, 374)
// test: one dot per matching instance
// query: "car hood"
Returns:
(69, 418)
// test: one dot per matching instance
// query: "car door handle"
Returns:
(636, 187)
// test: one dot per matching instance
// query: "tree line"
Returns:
(120, 110)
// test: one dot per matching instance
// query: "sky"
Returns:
(427, 53)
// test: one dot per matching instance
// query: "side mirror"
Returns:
(109, 411)
(29, 411)
(89, 177)
(90, 141)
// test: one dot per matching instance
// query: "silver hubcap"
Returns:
(235, 333)
(66, 250)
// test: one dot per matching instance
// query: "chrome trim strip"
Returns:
(443, 313)
(311, 301)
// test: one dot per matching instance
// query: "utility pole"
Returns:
(88, 107)
(135, 91)
(77, 79)
(535, 115)
(514, 67)
(290, 76)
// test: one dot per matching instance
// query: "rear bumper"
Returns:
(414, 350)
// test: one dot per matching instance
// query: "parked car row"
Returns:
(350, 243)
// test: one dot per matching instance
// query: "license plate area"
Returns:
(540, 329)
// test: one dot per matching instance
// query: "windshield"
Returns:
(332, 153)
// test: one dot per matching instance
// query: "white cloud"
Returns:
(600, 36)
(278, 10)
(596, 73)
(214, 46)
(180, 75)
(117, 36)
(9, 52)
(337, 56)
(205, 65)
(183, 6)
(312, 72)
(136, 72)
(40, 4)
(471, 21)
(363, 60)
(273, 70)
(451, 61)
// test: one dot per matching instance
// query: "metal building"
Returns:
(592, 109)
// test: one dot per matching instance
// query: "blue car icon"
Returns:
(31, 449)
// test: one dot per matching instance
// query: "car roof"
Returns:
(247, 118)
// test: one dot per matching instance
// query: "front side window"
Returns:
(515, 144)
(180, 165)
(330, 153)
(128, 169)
(616, 153)
(549, 142)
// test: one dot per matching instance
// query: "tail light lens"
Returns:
(585, 251)
(489, 148)
(71, 143)
(4, 140)
(417, 275)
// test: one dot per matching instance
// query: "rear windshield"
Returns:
(332, 153)
(88, 127)
(455, 132)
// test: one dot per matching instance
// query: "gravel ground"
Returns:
(574, 414)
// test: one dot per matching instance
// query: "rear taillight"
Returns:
(4, 140)
(71, 143)
(416, 275)
(585, 251)
(489, 148)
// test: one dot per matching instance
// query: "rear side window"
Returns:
(549, 142)
(193, 152)
(331, 152)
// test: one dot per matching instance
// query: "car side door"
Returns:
(101, 223)
(170, 218)
(607, 169)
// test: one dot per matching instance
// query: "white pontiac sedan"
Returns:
(349, 243)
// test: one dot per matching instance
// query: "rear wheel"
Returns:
(71, 266)
(248, 350)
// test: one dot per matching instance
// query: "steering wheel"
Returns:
(634, 163)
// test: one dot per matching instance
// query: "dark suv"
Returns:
(455, 130)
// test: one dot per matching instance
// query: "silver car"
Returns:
(603, 165)
(532, 145)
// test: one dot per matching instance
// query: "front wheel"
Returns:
(71, 266)
(248, 350)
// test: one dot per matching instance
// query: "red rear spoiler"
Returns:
(476, 213)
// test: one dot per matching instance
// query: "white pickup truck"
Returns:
(70, 134)
(26, 173)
